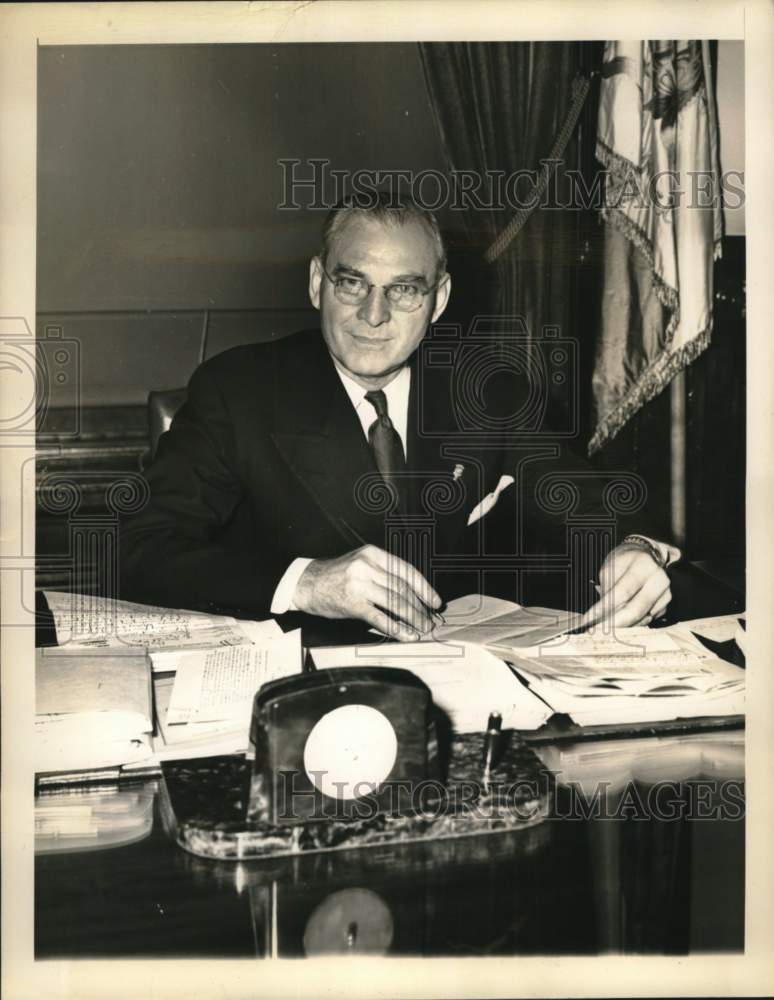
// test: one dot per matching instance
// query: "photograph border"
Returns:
(24, 27)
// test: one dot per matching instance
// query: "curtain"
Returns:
(498, 107)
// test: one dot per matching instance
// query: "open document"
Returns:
(85, 621)
(491, 621)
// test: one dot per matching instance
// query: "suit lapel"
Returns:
(432, 456)
(323, 443)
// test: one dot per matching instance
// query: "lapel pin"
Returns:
(458, 470)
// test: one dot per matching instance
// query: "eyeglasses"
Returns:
(405, 296)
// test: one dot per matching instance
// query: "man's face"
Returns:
(372, 340)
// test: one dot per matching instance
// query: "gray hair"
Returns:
(383, 206)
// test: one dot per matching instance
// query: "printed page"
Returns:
(196, 739)
(86, 621)
(219, 684)
(167, 660)
(635, 660)
(634, 641)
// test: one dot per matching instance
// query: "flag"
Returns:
(657, 139)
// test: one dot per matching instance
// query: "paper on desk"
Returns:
(662, 683)
(720, 628)
(244, 633)
(636, 659)
(635, 641)
(486, 620)
(219, 684)
(466, 681)
(196, 739)
(83, 620)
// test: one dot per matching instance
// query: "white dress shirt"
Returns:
(397, 393)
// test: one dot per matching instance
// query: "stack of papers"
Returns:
(635, 675)
(211, 664)
(207, 707)
(466, 681)
(91, 712)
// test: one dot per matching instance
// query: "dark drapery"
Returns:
(498, 107)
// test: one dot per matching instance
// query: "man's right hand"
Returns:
(366, 584)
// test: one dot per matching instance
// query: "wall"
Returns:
(729, 87)
(158, 184)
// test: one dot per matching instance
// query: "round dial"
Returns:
(350, 751)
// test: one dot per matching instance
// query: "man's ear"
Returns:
(315, 281)
(441, 296)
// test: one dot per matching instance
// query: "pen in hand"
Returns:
(437, 616)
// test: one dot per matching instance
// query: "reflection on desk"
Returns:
(654, 862)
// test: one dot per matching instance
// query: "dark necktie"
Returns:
(385, 441)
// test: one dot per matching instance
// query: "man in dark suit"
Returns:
(294, 476)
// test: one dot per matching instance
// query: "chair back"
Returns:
(163, 404)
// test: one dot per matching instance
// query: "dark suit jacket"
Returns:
(267, 461)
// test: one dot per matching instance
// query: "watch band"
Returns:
(641, 542)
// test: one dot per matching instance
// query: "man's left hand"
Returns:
(633, 589)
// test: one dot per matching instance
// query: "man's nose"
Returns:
(375, 309)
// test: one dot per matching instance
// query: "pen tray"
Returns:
(204, 805)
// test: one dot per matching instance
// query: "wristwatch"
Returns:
(661, 558)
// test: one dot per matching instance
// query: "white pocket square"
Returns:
(483, 508)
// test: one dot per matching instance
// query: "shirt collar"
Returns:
(396, 391)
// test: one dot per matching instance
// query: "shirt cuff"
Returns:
(286, 588)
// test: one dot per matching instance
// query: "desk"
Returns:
(653, 863)
(613, 882)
